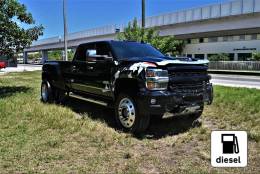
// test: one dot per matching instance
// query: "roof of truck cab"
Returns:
(110, 41)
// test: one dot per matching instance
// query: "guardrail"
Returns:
(109, 29)
(235, 65)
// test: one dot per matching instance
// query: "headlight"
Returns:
(157, 79)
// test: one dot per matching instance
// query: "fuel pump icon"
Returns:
(230, 143)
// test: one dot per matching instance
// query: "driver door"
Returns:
(99, 65)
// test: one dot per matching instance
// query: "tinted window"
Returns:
(225, 38)
(189, 55)
(213, 39)
(242, 37)
(90, 52)
(81, 54)
(128, 50)
(101, 49)
(199, 56)
(254, 36)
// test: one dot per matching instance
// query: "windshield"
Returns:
(128, 50)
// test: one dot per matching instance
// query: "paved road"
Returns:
(21, 68)
(217, 79)
(236, 80)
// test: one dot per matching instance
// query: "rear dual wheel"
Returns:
(46, 92)
(50, 94)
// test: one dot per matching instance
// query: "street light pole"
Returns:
(65, 30)
(143, 13)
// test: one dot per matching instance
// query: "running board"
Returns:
(88, 99)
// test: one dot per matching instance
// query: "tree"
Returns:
(34, 55)
(256, 56)
(70, 54)
(219, 57)
(166, 44)
(57, 54)
(13, 37)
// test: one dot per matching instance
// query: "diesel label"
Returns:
(229, 149)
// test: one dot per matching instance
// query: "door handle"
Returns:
(74, 68)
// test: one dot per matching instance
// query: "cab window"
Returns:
(93, 52)
(98, 52)
(81, 52)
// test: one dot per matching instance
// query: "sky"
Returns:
(86, 14)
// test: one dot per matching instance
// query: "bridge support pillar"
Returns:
(205, 56)
(44, 56)
(235, 57)
(25, 57)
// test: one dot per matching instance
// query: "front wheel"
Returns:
(128, 115)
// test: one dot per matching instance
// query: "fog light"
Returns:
(153, 101)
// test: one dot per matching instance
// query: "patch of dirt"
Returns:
(162, 154)
(210, 124)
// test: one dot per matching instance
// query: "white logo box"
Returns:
(229, 148)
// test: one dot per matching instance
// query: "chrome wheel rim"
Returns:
(44, 91)
(126, 112)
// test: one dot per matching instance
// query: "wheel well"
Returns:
(126, 85)
(54, 82)
(44, 76)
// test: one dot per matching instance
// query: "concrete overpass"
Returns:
(230, 18)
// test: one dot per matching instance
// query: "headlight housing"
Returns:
(156, 79)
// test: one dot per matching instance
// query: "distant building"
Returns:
(232, 28)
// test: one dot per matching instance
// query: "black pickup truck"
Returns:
(134, 78)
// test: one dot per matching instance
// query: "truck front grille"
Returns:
(187, 74)
(193, 89)
(188, 80)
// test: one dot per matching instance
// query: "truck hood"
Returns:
(163, 61)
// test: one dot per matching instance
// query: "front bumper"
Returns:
(160, 102)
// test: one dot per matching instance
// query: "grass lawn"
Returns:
(80, 137)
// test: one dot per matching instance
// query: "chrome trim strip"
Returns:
(88, 99)
(166, 62)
